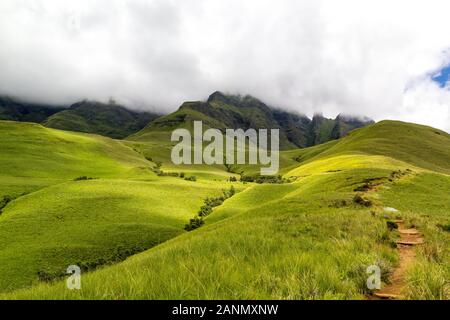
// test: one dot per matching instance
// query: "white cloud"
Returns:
(427, 103)
(351, 56)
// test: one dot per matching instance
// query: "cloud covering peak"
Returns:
(373, 58)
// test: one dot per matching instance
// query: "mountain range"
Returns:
(111, 120)
(219, 111)
(223, 111)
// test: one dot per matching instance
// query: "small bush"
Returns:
(172, 174)
(339, 203)
(191, 178)
(4, 201)
(149, 159)
(193, 224)
(444, 227)
(46, 276)
(205, 210)
(182, 174)
(358, 199)
(83, 178)
(229, 193)
(232, 179)
(391, 225)
(263, 179)
(214, 202)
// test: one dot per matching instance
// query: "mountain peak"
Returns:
(217, 96)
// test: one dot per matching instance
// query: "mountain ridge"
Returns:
(223, 111)
(107, 119)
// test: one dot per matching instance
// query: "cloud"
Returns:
(427, 103)
(371, 58)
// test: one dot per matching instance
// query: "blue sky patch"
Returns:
(442, 77)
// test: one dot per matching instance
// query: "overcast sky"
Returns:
(375, 58)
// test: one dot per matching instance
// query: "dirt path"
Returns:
(408, 239)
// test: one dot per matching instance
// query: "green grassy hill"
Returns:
(33, 151)
(52, 221)
(309, 239)
(109, 120)
(90, 224)
(418, 145)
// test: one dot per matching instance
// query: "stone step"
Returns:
(409, 231)
(409, 243)
(387, 296)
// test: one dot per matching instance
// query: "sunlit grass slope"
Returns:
(91, 223)
(124, 210)
(291, 243)
(32, 157)
(418, 145)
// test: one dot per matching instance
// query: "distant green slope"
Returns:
(14, 110)
(109, 120)
(418, 145)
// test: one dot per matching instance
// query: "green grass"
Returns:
(302, 240)
(56, 221)
(297, 246)
(49, 153)
(91, 223)
(417, 145)
(425, 202)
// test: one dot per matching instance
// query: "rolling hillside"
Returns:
(417, 145)
(227, 111)
(53, 216)
(312, 238)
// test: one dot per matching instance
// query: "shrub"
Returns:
(245, 178)
(263, 179)
(149, 159)
(83, 178)
(233, 179)
(338, 203)
(172, 174)
(182, 174)
(191, 178)
(205, 210)
(4, 201)
(444, 227)
(391, 225)
(214, 202)
(360, 200)
(229, 193)
(193, 224)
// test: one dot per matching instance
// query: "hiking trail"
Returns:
(409, 238)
